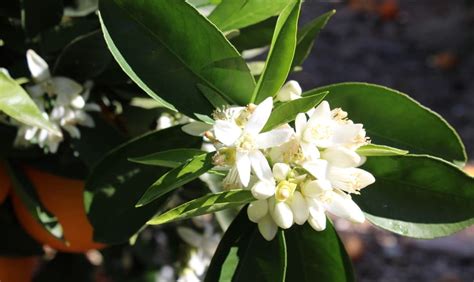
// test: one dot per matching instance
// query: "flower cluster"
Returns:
(61, 100)
(295, 174)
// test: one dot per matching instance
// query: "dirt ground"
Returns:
(423, 48)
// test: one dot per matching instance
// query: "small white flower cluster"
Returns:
(61, 100)
(296, 174)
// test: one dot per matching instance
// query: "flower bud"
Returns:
(343, 206)
(316, 187)
(290, 91)
(341, 157)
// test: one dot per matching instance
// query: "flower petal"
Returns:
(280, 171)
(300, 124)
(317, 168)
(283, 215)
(300, 208)
(227, 132)
(341, 157)
(259, 117)
(267, 227)
(290, 91)
(321, 112)
(260, 166)
(243, 167)
(351, 179)
(316, 188)
(39, 69)
(273, 138)
(343, 206)
(66, 89)
(263, 190)
(257, 210)
(196, 128)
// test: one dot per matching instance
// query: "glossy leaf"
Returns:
(177, 177)
(316, 255)
(235, 14)
(374, 150)
(244, 255)
(16, 103)
(307, 35)
(116, 184)
(206, 204)
(287, 111)
(255, 36)
(37, 16)
(418, 196)
(281, 53)
(171, 158)
(392, 118)
(170, 65)
(84, 58)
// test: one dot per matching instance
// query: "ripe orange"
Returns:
(4, 183)
(13, 269)
(63, 198)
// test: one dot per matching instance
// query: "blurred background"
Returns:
(424, 48)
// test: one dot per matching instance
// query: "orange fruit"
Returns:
(17, 269)
(63, 198)
(4, 183)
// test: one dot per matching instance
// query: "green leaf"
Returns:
(374, 150)
(37, 16)
(394, 119)
(16, 103)
(318, 254)
(281, 53)
(255, 36)
(84, 58)
(171, 158)
(307, 36)
(206, 204)
(244, 255)
(287, 111)
(177, 177)
(169, 65)
(235, 14)
(26, 191)
(116, 184)
(418, 196)
(216, 100)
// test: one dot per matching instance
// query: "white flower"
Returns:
(289, 92)
(63, 102)
(248, 141)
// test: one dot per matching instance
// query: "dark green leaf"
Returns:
(281, 53)
(171, 158)
(116, 184)
(216, 100)
(235, 14)
(177, 177)
(307, 36)
(374, 150)
(37, 16)
(206, 204)
(15, 102)
(287, 111)
(316, 255)
(418, 196)
(84, 58)
(244, 255)
(169, 65)
(394, 119)
(25, 190)
(255, 36)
